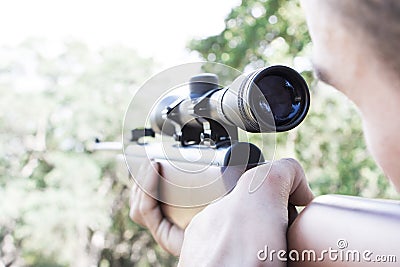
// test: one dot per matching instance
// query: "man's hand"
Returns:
(231, 231)
(145, 210)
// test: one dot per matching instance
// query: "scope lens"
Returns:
(277, 96)
(276, 92)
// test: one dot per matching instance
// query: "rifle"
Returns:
(356, 229)
(335, 230)
(194, 134)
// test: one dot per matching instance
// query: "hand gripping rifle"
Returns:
(205, 158)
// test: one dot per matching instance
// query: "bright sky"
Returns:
(158, 29)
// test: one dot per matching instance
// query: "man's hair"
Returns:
(379, 21)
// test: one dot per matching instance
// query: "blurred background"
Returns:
(68, 70)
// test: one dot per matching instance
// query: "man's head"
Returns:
(356, 47)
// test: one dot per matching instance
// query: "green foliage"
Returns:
(258, 33)
(62, 205)
(329, 143)
(332, 150)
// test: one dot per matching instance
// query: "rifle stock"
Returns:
(186, 193)
(361, 226)
(364, 224)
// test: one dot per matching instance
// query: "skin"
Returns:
(344, 58)
(146, 211)
(232, 230)
(265, 218)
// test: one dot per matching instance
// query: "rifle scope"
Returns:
(272, 99)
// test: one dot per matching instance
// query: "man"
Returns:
(355, 50)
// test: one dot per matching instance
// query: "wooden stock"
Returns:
(181, 216)
(183, 190)
(353, 226)
(335, 231)
(349, 225)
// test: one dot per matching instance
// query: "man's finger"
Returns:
(149, 205)
(282, 180)
(140, 202)
(134, 203)
(300, 193)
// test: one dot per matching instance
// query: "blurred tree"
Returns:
(329, 143)
(258, 33)
(62, 205)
